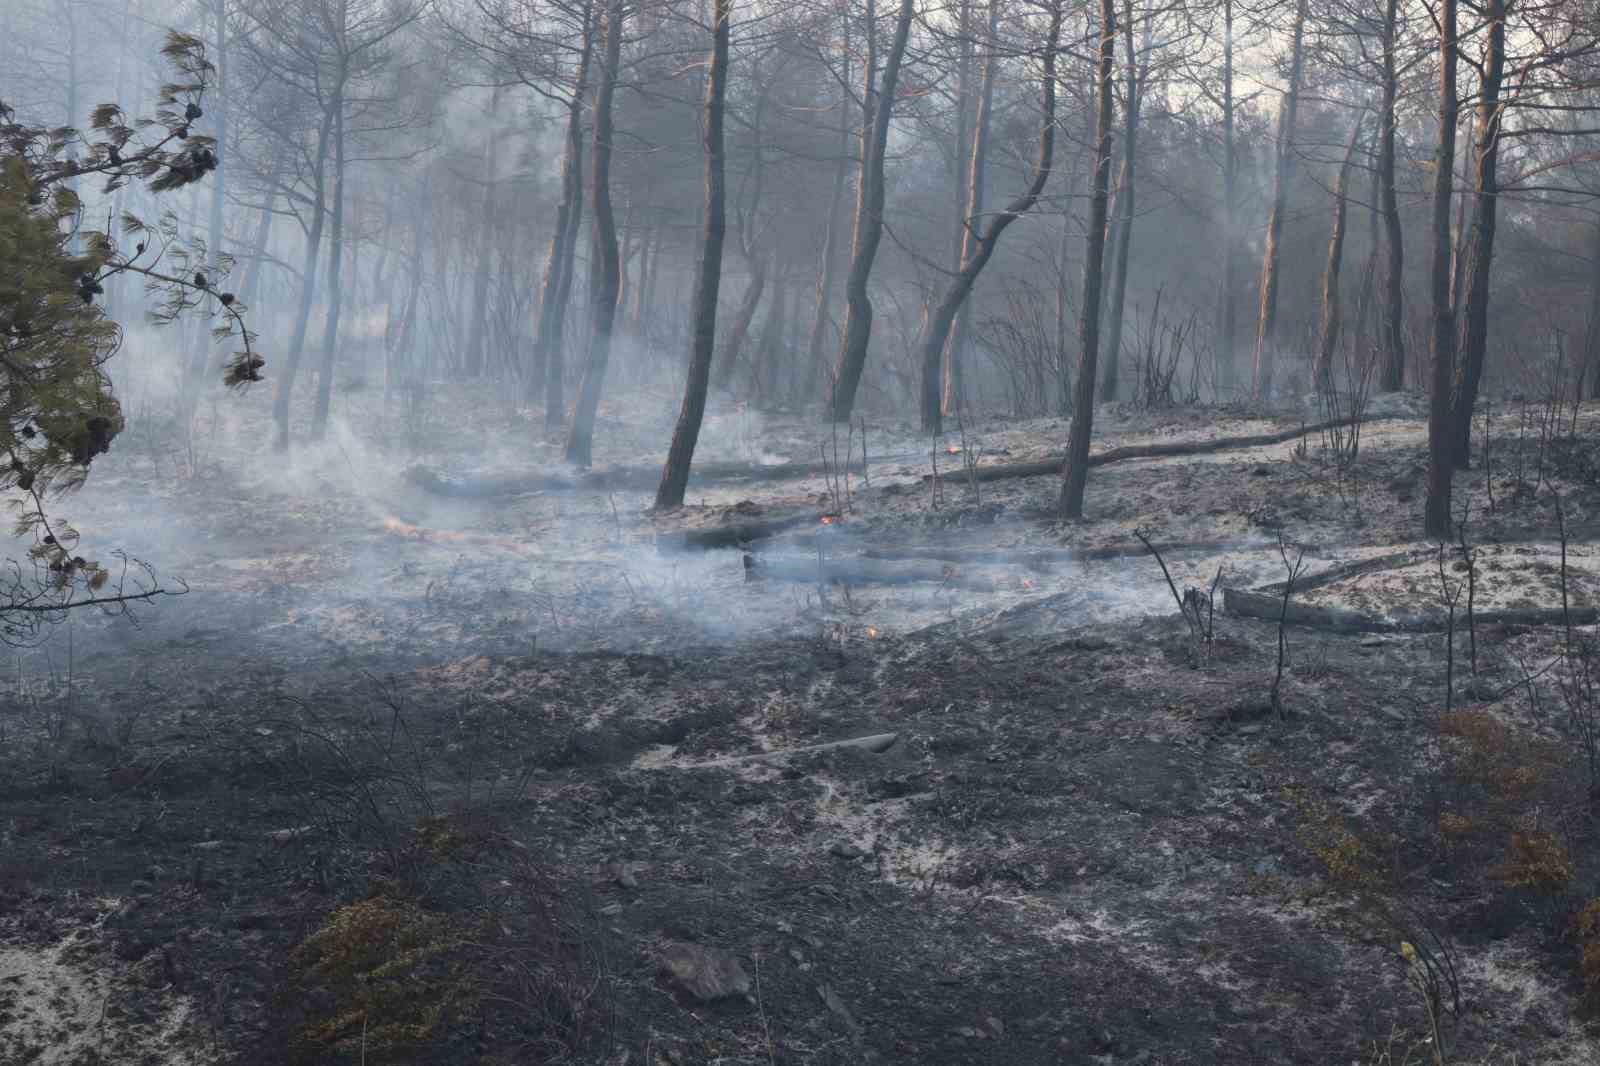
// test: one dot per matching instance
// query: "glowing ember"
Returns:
(872, 631)
(1027, 583)
(827, 519)
(953, 450)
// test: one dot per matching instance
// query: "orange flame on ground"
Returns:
(872, 631)
(827, 520)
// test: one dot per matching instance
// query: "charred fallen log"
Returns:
(625, 478)
(1244, 603)
(1052, 467)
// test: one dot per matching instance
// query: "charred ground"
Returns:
(420, 779)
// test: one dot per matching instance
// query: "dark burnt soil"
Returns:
(288, 820)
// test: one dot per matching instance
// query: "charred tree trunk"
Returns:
(607, 269)
(986, 239)
(1267, 316)
(1076, 477)
(546, 372)
(1441, 464)
(308, 288)
(1323, 371)
(1393, 374)
(1474, 324)
(869, 215)
(708, 275)
(336, 250)
(1109, 382)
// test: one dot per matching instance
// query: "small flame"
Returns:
(1027, 583)
(953, 450)
(872, 631)
(827, 519)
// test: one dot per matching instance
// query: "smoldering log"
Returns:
(1053, 467)
(1245, 603)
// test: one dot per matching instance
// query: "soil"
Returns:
(1094, 839)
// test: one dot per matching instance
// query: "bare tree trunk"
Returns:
(1392, 378)
(830, 243)
(984, 240)
(308, 289)
(1076, 476)
(1267, 318)
(402, 342)
(708, 275)
(1125, 204)
(258, 250)
(336, 250)
(1228, 366)
(1480, 258)
(769, 349)
(1441, 464)
(869, 215)
(1591, 330)
(739, 328)
(546, 370)
(1323, 371)
(607, 269)
(970, 211)
(472, 359)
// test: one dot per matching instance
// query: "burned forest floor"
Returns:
(451, 754)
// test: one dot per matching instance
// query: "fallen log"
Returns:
(876, 744)
(626, 478)
(856, 570)
(1334, 574)
(1245, 603)
(1041, 558)
(1050, 467)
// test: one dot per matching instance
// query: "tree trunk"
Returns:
(1076, 477)
(1591, 331)
(739, 329)
(1474, 324)
(970, 211)
(1125, 203)
(830, 242)
(607, 269)
(477, 327)
(1323, 370)
(308, 290)
(1227, 368)
(768, 363)
(336, 250)
(545, 373)
(1267, 318)
(1392, 378)
(1436, 517)
(984, 240)
(258, 250)
(708, 275)
(869, 215)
